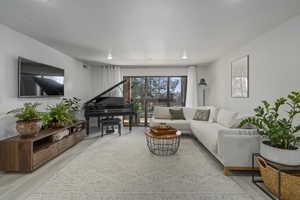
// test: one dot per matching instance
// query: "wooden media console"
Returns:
(27, 154)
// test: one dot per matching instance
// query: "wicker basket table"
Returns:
(282, 182)
(164, 142)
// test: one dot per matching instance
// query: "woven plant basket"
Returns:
(290, 182)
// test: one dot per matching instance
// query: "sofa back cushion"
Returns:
(227, 118)
(213, 114)
(162, 112)
(201, 115)
(177, 114)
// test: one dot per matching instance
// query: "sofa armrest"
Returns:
(236, 146)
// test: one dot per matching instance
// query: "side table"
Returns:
(257, 179)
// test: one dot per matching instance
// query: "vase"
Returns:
(281, 156)
(29, 128)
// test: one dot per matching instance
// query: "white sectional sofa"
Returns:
(232, 146)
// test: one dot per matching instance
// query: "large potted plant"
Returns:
(29, 119)
(276, 123)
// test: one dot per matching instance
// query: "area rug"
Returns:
(122, 168)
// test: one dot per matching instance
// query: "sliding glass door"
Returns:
(149, 91)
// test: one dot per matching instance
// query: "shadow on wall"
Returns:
(7, 126)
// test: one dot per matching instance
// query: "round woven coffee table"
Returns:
(163, 144)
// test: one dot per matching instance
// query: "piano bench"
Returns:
(110, 122)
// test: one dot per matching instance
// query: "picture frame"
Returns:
(240, 77)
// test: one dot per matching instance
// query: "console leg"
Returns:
(87, 126)
(130, 122)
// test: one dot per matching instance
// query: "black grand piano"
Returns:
(103, 106)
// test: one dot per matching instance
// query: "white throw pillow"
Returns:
(213, 114)
(162, 112)
(227, 118)
(189, 112)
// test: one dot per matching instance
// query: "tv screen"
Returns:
(39, 80)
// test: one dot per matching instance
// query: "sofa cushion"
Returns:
(227, 118)
(189, 112)
(201, 115)
(182, 125)
(177, 114)
(207, 133)
(161, 112)
(213, 114)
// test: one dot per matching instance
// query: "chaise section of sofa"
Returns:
(233, 147)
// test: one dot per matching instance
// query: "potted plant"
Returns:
(29, 119)
(279, 129)
(58, 116)
(73, 104)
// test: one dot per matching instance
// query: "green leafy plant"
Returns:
(46, 119)
(280, 131)
(72, 103)
(59, 113)
(29, 112)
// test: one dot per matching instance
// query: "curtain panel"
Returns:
(106, 77)
(192, 92)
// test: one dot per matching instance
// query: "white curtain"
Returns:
(192, 92)
(108, 76)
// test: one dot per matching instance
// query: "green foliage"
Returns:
(279, 130)
(73, 103)
(60, 113)
(27, 113)
(46, 118)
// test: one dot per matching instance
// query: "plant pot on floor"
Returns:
(29, 128)
(281, 156)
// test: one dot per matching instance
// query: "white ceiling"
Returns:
(146, 32)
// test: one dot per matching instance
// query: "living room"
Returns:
(149, 99)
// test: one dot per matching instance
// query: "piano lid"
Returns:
(106, 92)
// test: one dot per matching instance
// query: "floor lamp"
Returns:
(203, 85)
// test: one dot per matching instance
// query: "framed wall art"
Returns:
(240, 77)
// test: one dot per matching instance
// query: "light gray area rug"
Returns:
(122, 168)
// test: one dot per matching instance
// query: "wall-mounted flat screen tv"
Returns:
(39, 80)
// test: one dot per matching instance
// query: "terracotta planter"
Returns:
(281, 156)
(57, 124)
(29, 128)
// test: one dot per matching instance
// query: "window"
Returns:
(148, 91)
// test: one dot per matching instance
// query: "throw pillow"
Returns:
(161, 112)
(227, 118)
(177, 114)
(201, 115)
(213, 114)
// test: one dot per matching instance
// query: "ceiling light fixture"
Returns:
(184, 55)
(109, 56)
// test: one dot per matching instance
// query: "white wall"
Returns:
(14, 44)
(274, 69)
